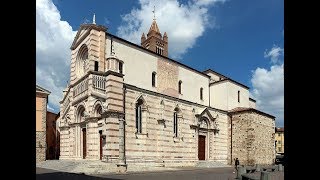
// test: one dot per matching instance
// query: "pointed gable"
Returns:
(83, 32)
(205, 113)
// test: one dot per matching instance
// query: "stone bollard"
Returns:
(265, 175)
(258, 168)
(280, 167)
(241, 170)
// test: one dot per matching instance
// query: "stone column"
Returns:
(121, 142)
(122, 160)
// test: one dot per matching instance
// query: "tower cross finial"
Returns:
(154, 12)
(94, 18)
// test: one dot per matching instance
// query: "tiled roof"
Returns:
(280, 129)
(243, 109)
(41, 89)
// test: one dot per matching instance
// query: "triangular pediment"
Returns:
(83, 32)
(205, 113)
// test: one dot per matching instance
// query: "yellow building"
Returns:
(279, 138)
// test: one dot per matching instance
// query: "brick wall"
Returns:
(168, 74)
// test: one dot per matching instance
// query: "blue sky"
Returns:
(240, 39)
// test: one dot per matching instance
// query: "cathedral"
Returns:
(130, 104)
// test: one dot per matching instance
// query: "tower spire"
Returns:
(94, 19)
(154, 13)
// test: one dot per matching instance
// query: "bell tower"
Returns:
(154, 40)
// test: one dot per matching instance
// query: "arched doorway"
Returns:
(202, 147)
(202, 138)
(84, 143)
(80, 118)
(97, 113)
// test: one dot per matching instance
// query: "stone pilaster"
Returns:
(92, 140)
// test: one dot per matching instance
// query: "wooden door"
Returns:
(202, 148)
(84, 135)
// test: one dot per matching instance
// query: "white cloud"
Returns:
(268, 86)
(53, 41)
(184, 23)
(207, 2)
(274, 54)
(50, 108)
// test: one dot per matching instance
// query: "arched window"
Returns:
(80, 114)
(201, 93)
(82, 56)
(175, 124)
(120, 67)
(175, 121)
(179, 87)
(98, 111)
(238, 96)
(96, 66)
(139, 116)
(154, 79)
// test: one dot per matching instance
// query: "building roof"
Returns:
(154, 27)
(230, 80)
(244, 109)
(226, 78)
(281, 129)
(214, 72)
(42, 90)
(250, 99)
(164, 57)
(50, 112)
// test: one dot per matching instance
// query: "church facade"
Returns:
(131, 104)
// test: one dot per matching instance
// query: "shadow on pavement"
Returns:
(67, 176)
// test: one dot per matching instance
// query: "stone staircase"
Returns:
(211, 164)
(79, 166)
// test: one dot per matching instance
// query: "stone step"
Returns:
(78, 166)
(211, 164)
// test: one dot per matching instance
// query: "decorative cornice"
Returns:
(101, 73)
(114, 114)
(65, 95)
(40, 89)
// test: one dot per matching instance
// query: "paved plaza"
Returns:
(224, 173)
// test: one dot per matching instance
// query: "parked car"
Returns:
(279, 159)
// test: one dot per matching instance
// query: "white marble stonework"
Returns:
(111, 111)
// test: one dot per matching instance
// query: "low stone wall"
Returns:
(40, 146)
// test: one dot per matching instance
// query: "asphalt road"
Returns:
(184, 174)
